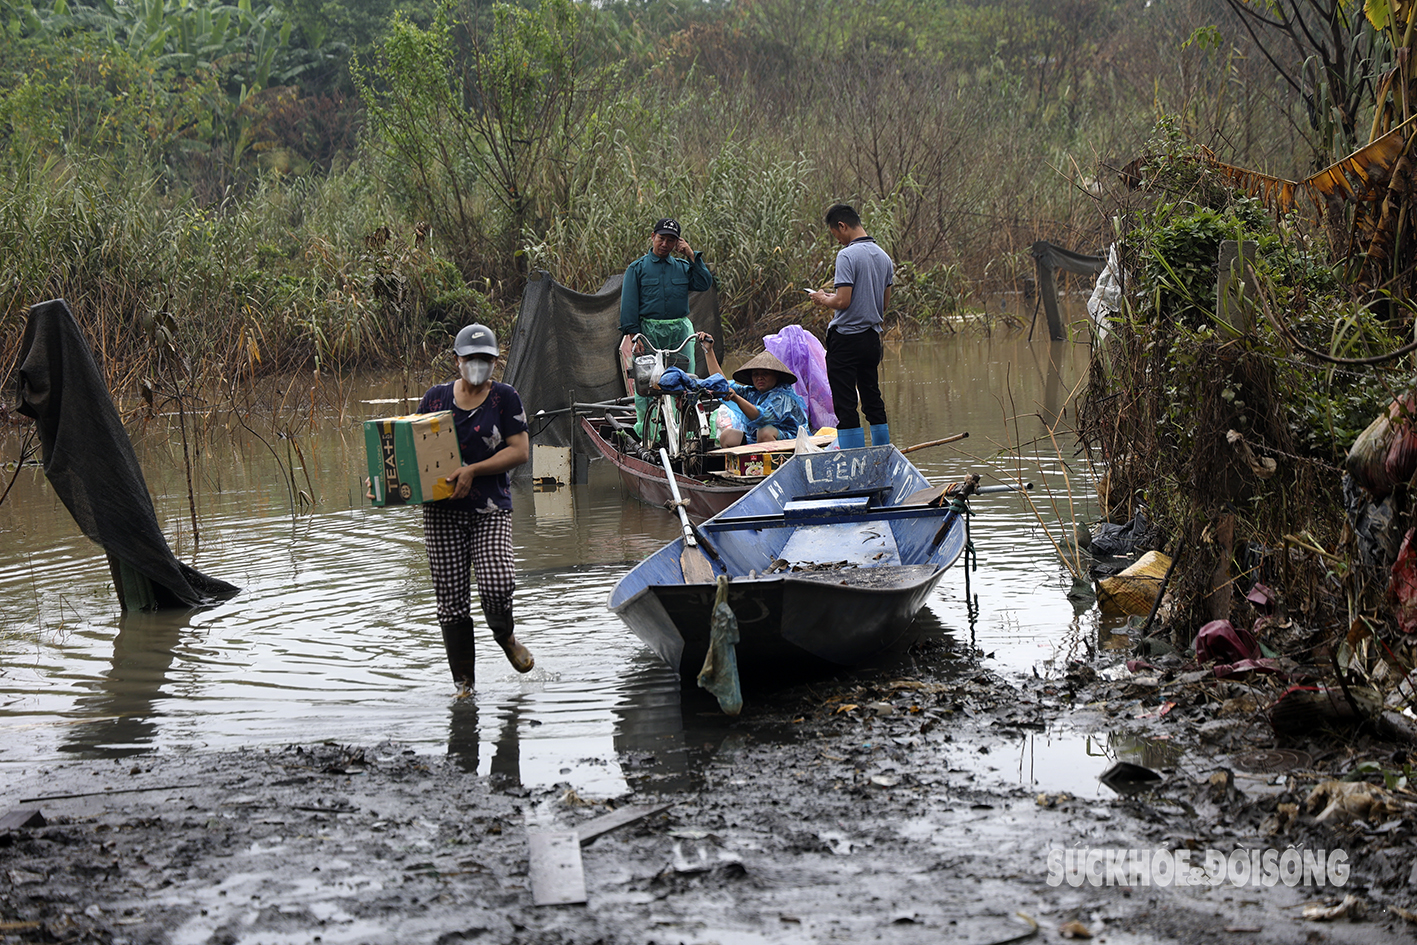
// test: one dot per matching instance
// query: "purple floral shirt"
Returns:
(482, 432)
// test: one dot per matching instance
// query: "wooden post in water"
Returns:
(1048, 292)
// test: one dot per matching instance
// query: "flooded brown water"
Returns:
(333, 636)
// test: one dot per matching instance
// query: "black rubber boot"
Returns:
(502, 626)
(462, 656)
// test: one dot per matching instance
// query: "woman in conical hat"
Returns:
(766, 406)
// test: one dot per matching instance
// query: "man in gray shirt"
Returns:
(864, 274)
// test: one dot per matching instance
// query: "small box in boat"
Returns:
(411, 457)
(760, 459)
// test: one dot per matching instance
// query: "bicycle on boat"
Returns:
(678, 421)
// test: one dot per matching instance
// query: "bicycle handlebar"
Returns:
(649, 345)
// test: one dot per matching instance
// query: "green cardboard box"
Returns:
(411, 457)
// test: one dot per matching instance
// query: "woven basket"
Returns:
(1134, 590)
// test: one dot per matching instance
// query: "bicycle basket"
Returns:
(647, 371)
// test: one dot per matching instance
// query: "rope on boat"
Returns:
(960, 506)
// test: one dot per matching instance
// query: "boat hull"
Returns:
(648, 483)
(789, 626)
(829, 559)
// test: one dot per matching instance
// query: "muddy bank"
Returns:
(861, 809)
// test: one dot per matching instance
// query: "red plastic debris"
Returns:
(1402, 588)
(1219, 641)
(1261, 596)
(1243, 668)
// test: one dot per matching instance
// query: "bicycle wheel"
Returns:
(654, 436)
(692, 433)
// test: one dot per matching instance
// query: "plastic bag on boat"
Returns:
(722, 420)
(804, 356)
(804, 443)
(730, 417)
(720, 673)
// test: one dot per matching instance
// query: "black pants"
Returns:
(853, 362)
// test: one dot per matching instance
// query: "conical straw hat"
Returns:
(763, 361)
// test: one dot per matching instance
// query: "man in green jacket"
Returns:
(654, 299)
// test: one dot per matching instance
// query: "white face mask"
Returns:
(475, 371)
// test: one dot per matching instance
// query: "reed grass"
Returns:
(300, 273)
(960, 147)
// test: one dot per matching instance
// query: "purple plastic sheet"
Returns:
(804, 356)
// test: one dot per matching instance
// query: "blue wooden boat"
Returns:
(829, 559)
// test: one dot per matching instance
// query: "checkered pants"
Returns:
(459, 540)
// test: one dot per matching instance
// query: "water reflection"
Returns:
(464, 739)
(466, 746)
(664, 732)
(661, 735)
(1061, 760)
(124, 708)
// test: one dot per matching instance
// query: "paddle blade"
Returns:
(697, 569)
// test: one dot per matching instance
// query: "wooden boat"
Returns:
(714, 488)
(829, 559)
(646, 481)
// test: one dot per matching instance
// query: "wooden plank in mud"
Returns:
(557, 877)
(591, 829)
(20, 818)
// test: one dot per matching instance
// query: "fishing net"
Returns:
(90, 461)
(565, 342)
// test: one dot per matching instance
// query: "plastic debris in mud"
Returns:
(1350, 908)
(1345, 801)
(1136, 588)
(720, 673)
(1127, 778)
(1220, 641)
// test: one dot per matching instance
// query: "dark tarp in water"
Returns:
(1048, 258)
(566, 341)
(90, 461)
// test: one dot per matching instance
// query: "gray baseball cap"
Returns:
(476, 339)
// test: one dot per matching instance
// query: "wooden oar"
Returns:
(948, 439)
(695, 564)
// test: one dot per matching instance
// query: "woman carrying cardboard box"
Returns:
(473, 529)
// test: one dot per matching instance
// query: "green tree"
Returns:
(486, 132)
(1328, 53)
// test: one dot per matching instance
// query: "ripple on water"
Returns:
(333, 636)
